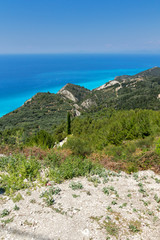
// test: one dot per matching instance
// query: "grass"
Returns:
(48, 195)
(156, 198)
(123, 205)
(95, 180)
(6, 221)
(27, 223)
(17, 198)
(134, 226)
(76, 185)
(105, 190)
(59, 210)
(16, 208)
(33, 201)
(75, 196)
(4, 213)
(28, 193)
(19, 172)
(113, 202)
(111, 228)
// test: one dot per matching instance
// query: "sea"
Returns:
(22, 76)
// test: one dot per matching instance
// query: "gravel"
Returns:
(128, 211)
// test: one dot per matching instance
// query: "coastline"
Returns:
(22, 76)
(14, 101)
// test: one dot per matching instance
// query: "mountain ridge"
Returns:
(44, 110)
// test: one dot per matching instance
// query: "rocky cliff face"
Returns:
(67, 94)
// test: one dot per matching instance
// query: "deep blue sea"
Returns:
(22, 76)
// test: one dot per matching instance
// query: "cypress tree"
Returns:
(68, 123)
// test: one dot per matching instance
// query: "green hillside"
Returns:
(45, 110)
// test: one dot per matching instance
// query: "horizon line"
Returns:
(84, 53)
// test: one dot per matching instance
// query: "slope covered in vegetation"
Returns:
(126, 92)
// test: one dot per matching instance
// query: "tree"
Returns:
(68, 123)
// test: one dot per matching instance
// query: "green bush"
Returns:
(78, 146)
(52, 160)
(157, 149)
(76, 185)
(42, 139)
(20, 172)
(72, 167)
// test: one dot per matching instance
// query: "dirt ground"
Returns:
(115, 206)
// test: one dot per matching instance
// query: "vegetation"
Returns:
(45, 110)
(68, 123)
(76, 185)
(48, 195)
(121, 140)
(19, 172)
(117, 139)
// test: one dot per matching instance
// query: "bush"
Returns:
(42, 139)
(72, 167)
(52, 160)
(78, 146)
(20, 172)
(157, 150)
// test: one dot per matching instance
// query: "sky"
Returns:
(79, 26)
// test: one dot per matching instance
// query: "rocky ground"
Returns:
(113, 206)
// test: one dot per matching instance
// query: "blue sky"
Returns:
(79, 26)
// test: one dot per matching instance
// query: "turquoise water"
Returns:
(22, 76)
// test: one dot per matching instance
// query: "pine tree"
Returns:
(68, 123)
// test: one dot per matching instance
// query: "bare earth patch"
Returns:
(115, 206)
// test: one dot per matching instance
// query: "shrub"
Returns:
(20, 172)
(78, 146)
(52, 160)
(48, 195)
(42, 139)
(4, 213)
(17, 198)
(72, 167)
(157, 150)
(76, 185)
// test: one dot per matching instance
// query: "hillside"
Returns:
(124, 92)
(130, 92)
(99, 182)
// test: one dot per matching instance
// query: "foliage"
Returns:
(111, 228)
(16, 208)
(52, 160)
(134, 226)
(4, 213)
(20, 172)
(72, 167)
(68, 123)
(76, 185)
(42, 139)
(158, 147)
(44, 110)
(78, 146)
(17, 198)
(115, 128)
(48, 195)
